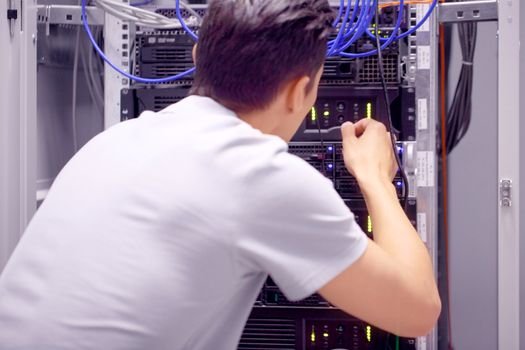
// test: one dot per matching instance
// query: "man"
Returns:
(160, 232)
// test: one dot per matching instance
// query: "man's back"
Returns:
(173, 222)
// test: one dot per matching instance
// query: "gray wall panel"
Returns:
(473, 206)
(55, 133)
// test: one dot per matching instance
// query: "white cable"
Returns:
(115, 12)
(145, 18)
(95, 81)
(86, 76)
(89, 81)
(100, 64)
(156, 15)
(192, 12)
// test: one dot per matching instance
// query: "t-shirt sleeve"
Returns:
(296, 228)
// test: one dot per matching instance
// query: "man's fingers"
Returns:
(389, 138)
(365, 124)
(348, 130)
(362, 125)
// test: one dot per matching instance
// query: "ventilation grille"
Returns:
(307, 151)
(360, 71)
(370, 70)
(162, 54)
(171, 13)
(161, 102)
(169, 54)
(269, 334)
(276, 297)
(164, 70)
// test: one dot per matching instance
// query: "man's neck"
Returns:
(267, 120)
(260, 120)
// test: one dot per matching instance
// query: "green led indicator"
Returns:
(369, 110)
(326, 113)
(314, 114)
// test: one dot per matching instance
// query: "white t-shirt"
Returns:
(160, 232)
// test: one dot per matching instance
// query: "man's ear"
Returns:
(296, 93)
(194, 54)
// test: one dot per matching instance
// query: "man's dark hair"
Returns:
(248, 49)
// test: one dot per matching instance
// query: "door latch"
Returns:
(505, 193)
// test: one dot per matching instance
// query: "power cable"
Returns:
(390, 125)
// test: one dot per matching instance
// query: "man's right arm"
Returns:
(392, 285)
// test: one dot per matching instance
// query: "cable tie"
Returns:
(466, 63)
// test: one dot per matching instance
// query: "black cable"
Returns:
(390, 125)
(460, 113)
(323, 169)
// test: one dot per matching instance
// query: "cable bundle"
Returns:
(145, 18)
(459, 115)
(118, 69)
(353, 21)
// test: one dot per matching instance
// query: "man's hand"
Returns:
(368, 151)
(392, 285)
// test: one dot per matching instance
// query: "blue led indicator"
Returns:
(399, 184)
(330, 166)
(330, 148)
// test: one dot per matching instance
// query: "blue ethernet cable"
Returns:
(126, 74)
(351, 23)
(423, 20)
(390, 39)
(362, 27)
(335, 45)
(183, 24)
(394, 35)
(349, 32)
(340, 13)
(341, 32)
(413, 29)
